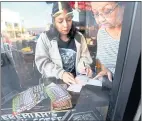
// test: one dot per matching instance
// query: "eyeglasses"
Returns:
(107, 10)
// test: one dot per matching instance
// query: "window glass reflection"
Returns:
(59, 57)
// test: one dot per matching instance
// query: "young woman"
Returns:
(109, 16)
(62, 52)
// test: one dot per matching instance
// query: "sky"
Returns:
(35, 14)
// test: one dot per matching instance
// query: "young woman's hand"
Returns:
(68, 78)
(104, 72)
(87, 71)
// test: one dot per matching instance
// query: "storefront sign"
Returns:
(36, 116)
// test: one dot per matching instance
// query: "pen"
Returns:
(84, 63)
(84, 66)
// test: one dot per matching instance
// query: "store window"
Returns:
(62, 64)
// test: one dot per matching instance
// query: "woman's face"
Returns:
(107, 14)
(63, 22)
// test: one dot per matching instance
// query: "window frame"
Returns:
(127, 60)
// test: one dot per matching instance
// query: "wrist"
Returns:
(61, 74)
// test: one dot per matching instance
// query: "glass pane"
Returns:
(59, 59)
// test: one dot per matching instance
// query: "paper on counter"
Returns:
(75, 88)
(83, 80)
(94, 82)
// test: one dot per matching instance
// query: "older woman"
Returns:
(109, 16)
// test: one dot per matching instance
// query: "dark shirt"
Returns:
(68, 54)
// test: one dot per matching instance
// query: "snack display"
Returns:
(60, 98)
(28, 99)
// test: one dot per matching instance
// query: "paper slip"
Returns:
(83, 80)
(94, 82)
(75, 88)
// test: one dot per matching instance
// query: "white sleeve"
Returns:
(43, 60)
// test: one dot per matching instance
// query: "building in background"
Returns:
(11, 23)
(36, 30)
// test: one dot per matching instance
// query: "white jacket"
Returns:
(48, 59)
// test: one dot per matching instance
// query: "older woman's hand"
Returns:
(104, 72)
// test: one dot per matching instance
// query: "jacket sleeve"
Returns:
(43, 60)
(84, 55)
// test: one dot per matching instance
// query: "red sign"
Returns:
(81, 5)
